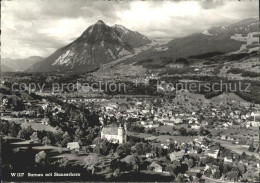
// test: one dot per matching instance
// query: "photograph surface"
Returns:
(130, 91)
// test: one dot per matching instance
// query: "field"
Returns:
(73, 158)
(167, 128)
(228, 97)
(38, 127)
(236, 148)
(250, 133)
(163, 138)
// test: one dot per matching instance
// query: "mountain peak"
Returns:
(100, 22)
(97, 45)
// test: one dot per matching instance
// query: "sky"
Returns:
(40, 27)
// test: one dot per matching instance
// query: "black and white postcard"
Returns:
(130, 91)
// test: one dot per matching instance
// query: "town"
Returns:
(185, 137)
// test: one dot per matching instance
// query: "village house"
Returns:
(45, 121)
(150, 125)
(223, 137)
(213, 152)
(252, 124)
(73, 145)
(211, 167)
(195, 172)
(155, 167)
(195, 127)
(228, 159)
(176, 155)
(244, 162)
(150, 155)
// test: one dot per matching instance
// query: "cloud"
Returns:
(211, 4)
(40, 27)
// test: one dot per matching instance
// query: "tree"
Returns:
(226, 168)
(27, 132)
(217, 175)
(91, 168)
(46, 141)
(92, 159)
(66, 139)
(123, 149)
(105, 147)
(182, 131)
(78, 134)
(34, 138)
(63, 163)
(202, 131)
(171, 168)
(208, 172)
(114, 164)
(190, 163)
(241, 168)
(193, 132)
(97, 150)
(4, 127)
(232, 175)
(172, 146)
(139, 148)
(199, 150)
(13, 129)
(58, 137)
(97, 140)
(243, 156)
(251, 147)
(117, 172)
(180, 177)
(40, 158)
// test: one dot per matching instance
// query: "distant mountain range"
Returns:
(15, 65)
(240, 37)
(101, 44)
(98, 44)
(5, 68)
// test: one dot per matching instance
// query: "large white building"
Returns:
(115, 134)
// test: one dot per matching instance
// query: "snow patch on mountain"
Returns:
(124, 52)
(64, 58)
(91, 30)
(223, 28)
(117, 47)
(112, 54)
(161, 48)
(102, 43)
(125, 30)
(206, 32)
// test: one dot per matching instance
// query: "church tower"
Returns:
(125, 135)
(121, 134)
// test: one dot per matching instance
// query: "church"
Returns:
(115, 134)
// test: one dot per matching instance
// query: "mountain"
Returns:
(242, 27)
(5, 68)
(21, 64)
(97, 45)
(241, 37)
